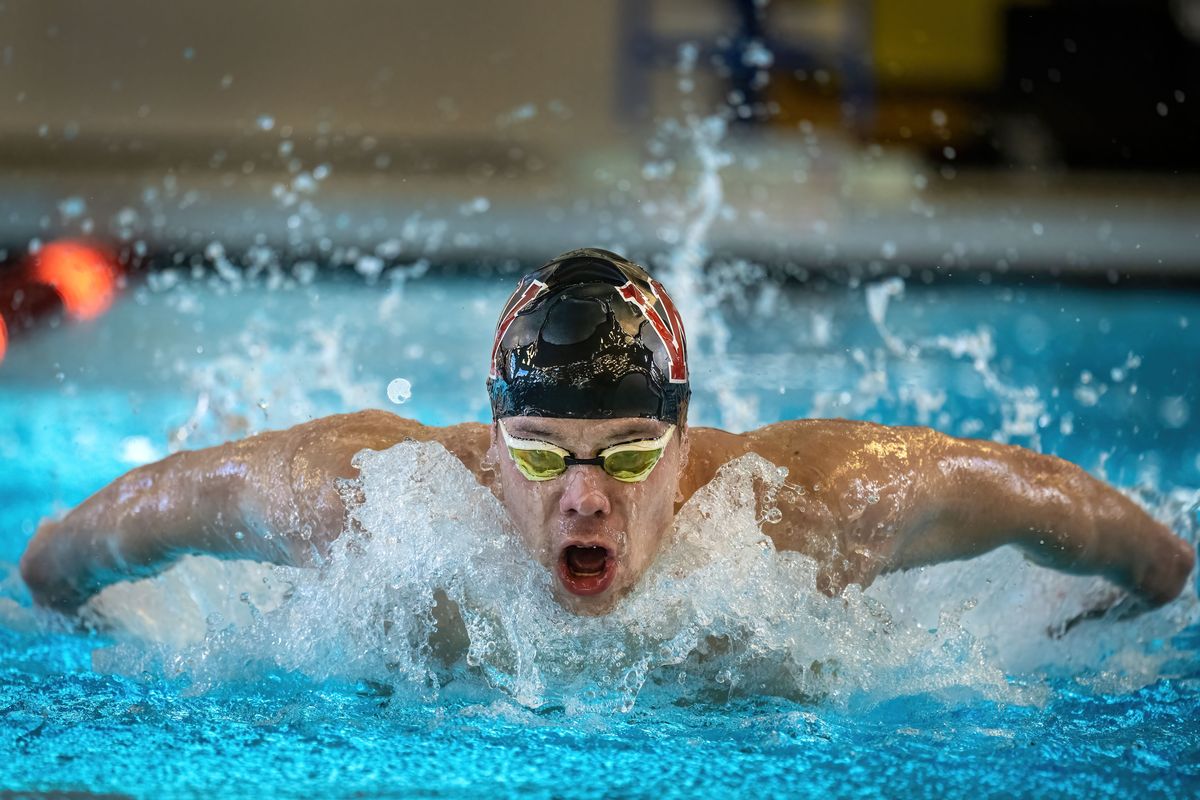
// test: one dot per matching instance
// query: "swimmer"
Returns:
(590, 452)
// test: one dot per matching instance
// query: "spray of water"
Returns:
(430, 591)
(1021, 407)
(690, 151)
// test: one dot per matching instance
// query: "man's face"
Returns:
(596, 534)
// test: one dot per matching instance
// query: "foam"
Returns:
(429, 591)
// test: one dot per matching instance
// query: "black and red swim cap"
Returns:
(589, 336)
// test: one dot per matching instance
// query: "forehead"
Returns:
(585, 432)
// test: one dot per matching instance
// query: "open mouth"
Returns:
(586, 570)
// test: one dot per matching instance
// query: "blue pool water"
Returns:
(942, 683)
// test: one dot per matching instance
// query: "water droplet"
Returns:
(399, 391)
(1174, 411)
(369, 267)
(477, 205)
(72, 207)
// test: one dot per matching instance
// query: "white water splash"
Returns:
(252, 386)
(1022, 409)
(691, 152)
(435, 593)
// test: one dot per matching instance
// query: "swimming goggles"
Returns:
(630, 462)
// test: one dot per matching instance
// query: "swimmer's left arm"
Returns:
(881, 499)
(980, 495)
(985, 494)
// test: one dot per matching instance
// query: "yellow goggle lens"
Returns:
(538, 465)
(631, 465)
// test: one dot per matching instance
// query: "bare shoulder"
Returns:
(848, 486)
(814, 449)
(293, 477)
(334, 440)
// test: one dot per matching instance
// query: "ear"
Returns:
(685, 448)
(491, 462)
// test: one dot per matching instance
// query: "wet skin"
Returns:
(861, 499)
(596, 534)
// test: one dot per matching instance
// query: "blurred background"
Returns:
(750, 150)
(946, 134)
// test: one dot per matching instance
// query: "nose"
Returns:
(584, 493)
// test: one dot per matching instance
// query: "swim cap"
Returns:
(589, 336)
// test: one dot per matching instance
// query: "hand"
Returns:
(1115, 606)
(43, 571)
(1168, 561)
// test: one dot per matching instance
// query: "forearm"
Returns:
(190, 502)
(273, 497)
(1060, 516)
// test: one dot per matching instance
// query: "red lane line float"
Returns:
(68, 277)
(84, 277)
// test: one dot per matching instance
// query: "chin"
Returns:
(594, 606)
(591, 603)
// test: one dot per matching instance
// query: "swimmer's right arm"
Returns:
(144, 520)
(272, 497)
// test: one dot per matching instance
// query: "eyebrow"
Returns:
(623, 434)
(532, 430)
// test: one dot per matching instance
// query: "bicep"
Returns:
(863, 499)
(982, 495)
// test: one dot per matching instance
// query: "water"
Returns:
(428, 657)
(725, 672)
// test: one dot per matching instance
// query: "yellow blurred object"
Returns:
(939, 44)
(927, 58)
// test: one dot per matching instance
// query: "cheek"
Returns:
(526, 502)
(664, 486)
(652, 507)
